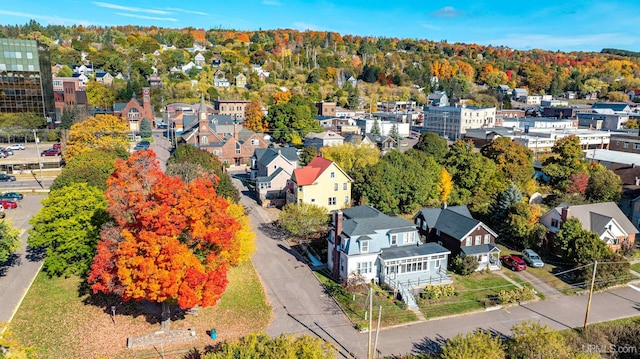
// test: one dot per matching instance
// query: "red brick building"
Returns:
(133, 111)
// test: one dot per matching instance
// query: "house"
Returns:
(155, 81)
(504, 90)
(438, 98)
(104, 78)
(271, 168)
(613, 106)
(319, 140)
(241, 80)
(519, 94)
(327, 109)
(633, 94)
(221, 82)
(133, 112)
(386, 249)
(604, 219)
(322, 183)
(352, 81)
(570, 95)
(533, 100)
(82, 78)
(384, 143)
(199, 60)
(455, 229)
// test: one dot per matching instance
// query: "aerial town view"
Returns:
(319, 179)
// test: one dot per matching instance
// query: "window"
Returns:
(555, 223)
(394, 239)
(469, 241)
(487, 238)
(410, 237)
(364, 246)
(478, 240)
(365, 267)
(332, 201)
(345, 186)
(346, 199)
(299, 189)
(418, 222)
(626, 145)
(313, 200)
(204, 140)
(335, 186)
(333, 175)
(237, 148)
(636, 146)
(255, 142)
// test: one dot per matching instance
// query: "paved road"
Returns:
(17, 274)
(301, 306)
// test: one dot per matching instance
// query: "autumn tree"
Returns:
(567, 161)
(604, 186)
(263, 346)
(255, 118)
(68, 228)
(99, 95)
(9, 240)
(477, 345)
(172, 242)
(513, 160)
(189, 162)
(533, 340)
(102, 133)
(445, 185)
(578, 183)
(307, 155)
(292, 120)
(352, 158)
(303, 219)
(93, 168)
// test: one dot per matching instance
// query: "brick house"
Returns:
(133, 112)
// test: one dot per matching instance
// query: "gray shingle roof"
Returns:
(431, 215)
(366, 220)
(413, 251)
(479, 249)
(595, 215)
(266, 155)
(272, 176)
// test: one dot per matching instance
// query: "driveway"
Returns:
(17, 274)
(541, 286)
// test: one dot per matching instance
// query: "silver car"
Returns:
(532, 258)
(16, 146)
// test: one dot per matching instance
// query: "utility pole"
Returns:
(593, 280)
(445, 115)
(375, 345)
(370, 321)
(35, 139)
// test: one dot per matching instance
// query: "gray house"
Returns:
(520, 94)
(387, 249)
(326, 138)
(270, 169)
(438, 98)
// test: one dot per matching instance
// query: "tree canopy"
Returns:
(9, 240)
(514, 161)
(93, 168)
(101, 133)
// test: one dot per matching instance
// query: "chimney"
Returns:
(565, 214)
(444, 205)
(337, 219)
(235, 131)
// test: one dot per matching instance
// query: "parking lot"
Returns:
(23, 161)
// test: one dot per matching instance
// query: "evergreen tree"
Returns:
(68, 118)
(394, 134)
(145, 128)
(376, 128)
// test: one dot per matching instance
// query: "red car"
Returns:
(513, 262)
(8, 203)
(57, 146)
(51, 152)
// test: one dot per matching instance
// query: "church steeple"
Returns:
(202, 111)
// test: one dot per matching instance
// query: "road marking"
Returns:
(634, 287)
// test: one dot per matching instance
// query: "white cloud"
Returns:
(128, 8)
(187, 11)
(594, 42)
(54, 20)
(447, 11)
(271, 2)
(302, 26)
(145, 17)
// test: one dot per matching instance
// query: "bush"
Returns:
(515, 295)
(436, 292)
(463, 265)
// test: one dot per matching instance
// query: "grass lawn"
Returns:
(511, 274)
(356, 304)
(60, 323)
(636, 267)
(473, 292)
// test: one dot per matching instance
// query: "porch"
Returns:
(488, 255)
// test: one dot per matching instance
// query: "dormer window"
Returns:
(394, 239)
(364, 246)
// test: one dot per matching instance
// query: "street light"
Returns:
(35, 138)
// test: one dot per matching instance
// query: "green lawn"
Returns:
(356, 304)
(636, 267)
(60, 323)
(517, 279)
(474, 293)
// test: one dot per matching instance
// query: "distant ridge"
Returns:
(621, 52)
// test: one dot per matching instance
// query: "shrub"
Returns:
(436, 292)
(515, 295)
(463, 265)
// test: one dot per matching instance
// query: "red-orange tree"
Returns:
(171, 243)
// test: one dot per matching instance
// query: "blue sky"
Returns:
(584, 25)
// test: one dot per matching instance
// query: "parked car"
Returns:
(57, 146)
(51, 152)
(142, 145)
(7, 150)
(6, 178)
(532, 258)
(12, 196)
(513, 262)
(16, 146)
(6, 203)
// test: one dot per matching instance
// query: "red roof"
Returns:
(309, 174)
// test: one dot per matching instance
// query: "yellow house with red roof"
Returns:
(321, 182)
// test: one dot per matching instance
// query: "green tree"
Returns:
(352, 158)
(478, 345)
(533, 340)
(604, 186)
(99, 95)
(463, 265)
(65, 71)
(103, 132)
(567, 237)
(568, 160)
(93, 168)
(68, 228)
(432, 144)
(303, 219)
(375, 129)
(293, 119)
(9, 240)
(513, 160)
(145, 129)
(263, 346)
(308, 153)
(393, 133)
(189, 162)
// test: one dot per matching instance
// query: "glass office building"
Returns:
(25, 78)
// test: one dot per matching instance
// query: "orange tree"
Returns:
(171, 243)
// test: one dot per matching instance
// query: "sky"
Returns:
(568, 25)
